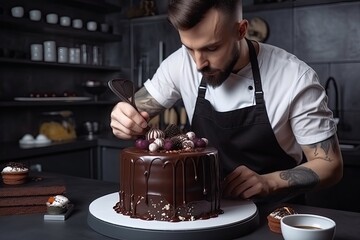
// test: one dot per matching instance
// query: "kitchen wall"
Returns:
(325, 36)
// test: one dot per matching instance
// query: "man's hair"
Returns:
(185, 14)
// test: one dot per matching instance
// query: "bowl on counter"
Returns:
(307, 227)
(95, 88)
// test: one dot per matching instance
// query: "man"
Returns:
(261, 107)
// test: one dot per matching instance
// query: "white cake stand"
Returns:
(239, 218)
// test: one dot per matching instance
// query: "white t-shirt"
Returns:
(296, 103)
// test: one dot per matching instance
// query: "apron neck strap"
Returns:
(256, 73)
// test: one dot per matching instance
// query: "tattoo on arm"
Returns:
(326, 146)
(300, 178)
(145, 102)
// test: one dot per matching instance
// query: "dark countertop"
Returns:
(14, 151)
(83, 191)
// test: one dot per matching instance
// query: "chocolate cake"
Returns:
(29, 197)
(172, 185)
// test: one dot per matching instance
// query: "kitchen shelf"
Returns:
(56, 103)
(27, 25)
(103, 6)
(58, 65)
(98, 6)
(289, 4)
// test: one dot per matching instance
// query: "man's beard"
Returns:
(215, 77)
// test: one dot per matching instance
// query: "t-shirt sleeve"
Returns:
(164, 85)
(310, 118)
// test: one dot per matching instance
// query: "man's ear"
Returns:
(242, 28)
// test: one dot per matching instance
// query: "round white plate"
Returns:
(234, 212)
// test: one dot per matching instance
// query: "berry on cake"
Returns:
(15, 173)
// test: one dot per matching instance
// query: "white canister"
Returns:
(63, 55)
(50, 51)
(17, 12)
(74, 55)
(35, 15)
(52, 18)
(36, 52)
(71, 55)
(91, 26)
(65, 21)
(77, 23)
(105, 27)
(77, 55)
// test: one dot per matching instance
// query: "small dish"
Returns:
(307, 227)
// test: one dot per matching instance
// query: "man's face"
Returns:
(213, 44)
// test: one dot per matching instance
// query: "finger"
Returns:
(243, 190)
(125, 121)
(230, 186)
(234, 174)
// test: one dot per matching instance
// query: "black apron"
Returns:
(243, 136)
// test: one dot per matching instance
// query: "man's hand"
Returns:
(126, 122)
(245, 183)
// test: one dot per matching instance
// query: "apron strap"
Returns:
(202, 88)
(256, 73)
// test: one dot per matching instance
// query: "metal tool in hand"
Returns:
(124, 89)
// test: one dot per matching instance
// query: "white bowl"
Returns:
(307, 227)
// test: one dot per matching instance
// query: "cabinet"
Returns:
(19, 76)
(80, 163)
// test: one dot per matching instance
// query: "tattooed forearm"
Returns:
(145, 102)
(300, 178)
(326, 146)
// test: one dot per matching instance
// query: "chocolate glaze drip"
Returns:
(169, 187)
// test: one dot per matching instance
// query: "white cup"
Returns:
(65, 21)
(77, 23)
(52, 18)
(35, 15)
(50, 51)
(17, 12)
(36, 52)
(63, 55)
(91, 26)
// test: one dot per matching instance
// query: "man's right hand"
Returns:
(126, 122)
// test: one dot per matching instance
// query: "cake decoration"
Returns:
(171, 139)
(15, 173)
